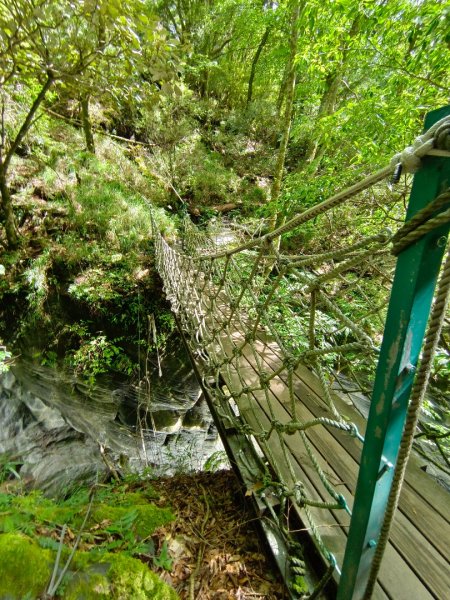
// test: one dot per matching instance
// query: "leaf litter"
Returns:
(214, 546)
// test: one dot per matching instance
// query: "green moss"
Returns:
(26, 570)
(134, 498)
(300, 585)
(115, 576)
(42, 510)
(88, 586)
(132, 579)
(96, 574)
(58, 515)
(25, 567)
(148, 517)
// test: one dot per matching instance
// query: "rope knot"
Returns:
(442, 137)
(299, 494)
(245, 428)
(353, 430)
(290, 428)
(408, 159)
(264, 380)
(438, 136)
(265, 435)
(277, 425)
(250, 337)
(290, 362)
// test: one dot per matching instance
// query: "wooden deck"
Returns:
(416, 561)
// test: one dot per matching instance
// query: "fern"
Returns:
(123, 525)
(48, 543)
(5, 501)
(11, 522)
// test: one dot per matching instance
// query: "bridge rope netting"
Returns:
(287, 342)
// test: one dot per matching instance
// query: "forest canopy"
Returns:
(344, 83)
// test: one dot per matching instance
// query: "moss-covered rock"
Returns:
(26, 563)
(130, 578)
(148, 517)
(118, 577)
(25, 568)
(88, 585)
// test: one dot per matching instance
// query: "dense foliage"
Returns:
(254, 107)
(250, 108)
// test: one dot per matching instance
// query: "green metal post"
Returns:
(411, 297)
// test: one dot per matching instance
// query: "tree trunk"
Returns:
(326, 108)
(260, 48)
(287, 117)
(5, 161)
(8, 213)
(86, 122)
(282, 90)
(27, 123)
(315, 150)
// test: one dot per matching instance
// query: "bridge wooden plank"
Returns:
(430, 520)
(413, 587)
(408, 540)
(404, 534)
(418, 482)
(331, 456)
(334, 522)
(331, 528)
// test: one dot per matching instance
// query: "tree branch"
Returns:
(28, 121)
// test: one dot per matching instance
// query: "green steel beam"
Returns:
(411, 297)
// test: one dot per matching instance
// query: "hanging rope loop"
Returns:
(436, 137)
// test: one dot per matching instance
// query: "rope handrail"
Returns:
(267, 326)
(409, 160)
(435, 325)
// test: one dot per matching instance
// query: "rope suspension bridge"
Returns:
(282, 342)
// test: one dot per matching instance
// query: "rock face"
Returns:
(52, 455)
(113, 576)
(60, 432)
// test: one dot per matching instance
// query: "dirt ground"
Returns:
(214, 543)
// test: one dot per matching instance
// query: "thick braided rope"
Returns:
(424, 214)
(413, 236)
(422, 223)
(420, 219)
(420, 384)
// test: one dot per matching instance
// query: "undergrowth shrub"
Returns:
(210, 181)
(36, 277)
(107, 210)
